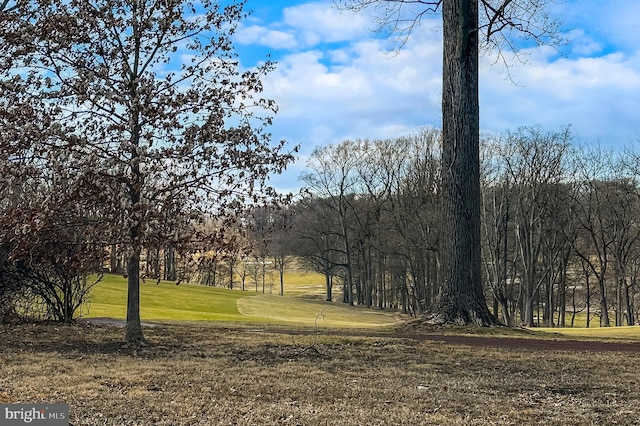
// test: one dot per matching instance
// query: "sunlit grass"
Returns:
(624, 333)
(166, 301)
(580, 319)
(310, 312)
(186, 302)
(580, 329)
(298, 282)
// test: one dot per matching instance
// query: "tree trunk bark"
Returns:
(549, 307)
(67, 301)
(562, 295)
(281, 271)
(619, 303)
(349, 271)
(113, 260)
(506, 315)
(628, 305)
(231, 267)
(604, 309)
(170, 264)
(382, 299)
(345, 291)
(461, 299)
(133, 333)
(588, 302)
(404, 293)
(134, 327)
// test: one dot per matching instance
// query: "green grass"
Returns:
(166, 301)
(581, 319)
(289, 310)
(186, 302)
(299, 283)
(594, 331)
(614, 333)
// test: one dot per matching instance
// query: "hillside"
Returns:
(167, 301)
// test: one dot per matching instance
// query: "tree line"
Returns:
(560, 225)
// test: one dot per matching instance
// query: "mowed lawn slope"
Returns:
(626, 333)
(166, 301)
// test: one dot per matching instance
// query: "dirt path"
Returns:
(488, 341)
(530, 344)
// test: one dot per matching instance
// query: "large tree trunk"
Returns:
(461, 299)
(134, 327)
(133, 334)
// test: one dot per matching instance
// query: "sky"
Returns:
(337, 79)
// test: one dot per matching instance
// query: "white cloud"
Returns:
(321, 23)
(358, 91)
(619, 22)
(340, 82)
(613, 22)
(596, 96)
(583, 44)
(256, 34)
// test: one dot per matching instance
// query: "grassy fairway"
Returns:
(614, 333)
(306, 312)
(166, 301)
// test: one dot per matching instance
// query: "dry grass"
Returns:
(194, 375)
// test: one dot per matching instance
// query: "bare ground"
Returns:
(195, 375)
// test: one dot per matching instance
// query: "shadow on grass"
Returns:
(76, 340)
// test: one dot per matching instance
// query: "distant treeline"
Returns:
(560, 225)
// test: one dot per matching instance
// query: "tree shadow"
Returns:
(80, 339)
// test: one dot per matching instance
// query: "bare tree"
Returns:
(280, 245)
(414, 211)
(315, 240)
(535, 160)
(592, 212)
(161, 118)
(48, 240)
(466, 23)
(260, 235)
(499, 254)
(622, 198)
(333, 177)
(383, 196)
(242, 269)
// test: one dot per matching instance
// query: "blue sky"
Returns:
(336, 79)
